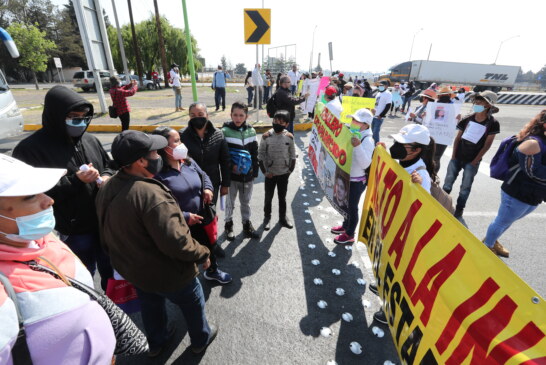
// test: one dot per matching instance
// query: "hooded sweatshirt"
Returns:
(52, 147)
(62, 324)
(242, 138)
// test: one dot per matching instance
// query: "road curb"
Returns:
(111, 128)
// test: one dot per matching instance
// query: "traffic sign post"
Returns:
(331, 56)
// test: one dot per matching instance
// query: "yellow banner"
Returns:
(448, 299)
(352, 103)
(300, 87)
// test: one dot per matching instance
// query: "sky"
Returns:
(367, 36)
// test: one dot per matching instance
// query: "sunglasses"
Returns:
(78, 121)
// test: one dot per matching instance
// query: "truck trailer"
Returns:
(480, 76)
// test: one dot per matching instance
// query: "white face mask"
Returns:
(180, 152)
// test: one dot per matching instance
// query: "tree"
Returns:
(33, 47)
(68, 39)
(240, 69)
(223, 62)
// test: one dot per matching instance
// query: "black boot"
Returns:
(267, 223)
(285, 222)
(249, 230)
(228, 228)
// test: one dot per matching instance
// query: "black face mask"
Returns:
(198, 122)
(398, 151)
(278, 128)
(154, 166)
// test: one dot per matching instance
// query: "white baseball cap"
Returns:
(413, 133)
(363, 116)
(19, 179)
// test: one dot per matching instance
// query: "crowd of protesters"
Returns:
(147, 213)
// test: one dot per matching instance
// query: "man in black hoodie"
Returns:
(63, 143)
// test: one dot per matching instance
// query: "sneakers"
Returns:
(337, 230)
(373, 289)
(267, 223)
(218, 275)
(228, 228)
(249, 230)
(499, 250)
(344, 239)
(380, 316)
(285, 222)
(213, 333)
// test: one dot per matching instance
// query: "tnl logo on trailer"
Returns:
(491, 76)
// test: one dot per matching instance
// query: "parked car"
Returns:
(148, 84)
(86, 80)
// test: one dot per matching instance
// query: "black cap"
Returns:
(384, 82)
(174, 65)
(129, 146)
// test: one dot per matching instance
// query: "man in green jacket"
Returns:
(149, 243)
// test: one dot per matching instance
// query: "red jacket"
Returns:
(119, 97)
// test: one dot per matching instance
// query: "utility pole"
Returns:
(121, 46)
(135, 46)
(161, 44)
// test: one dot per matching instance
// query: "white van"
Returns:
(11, 119)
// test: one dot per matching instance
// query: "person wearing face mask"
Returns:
(475, 136)
(208, 148)
(414, 149)
(525, 188)
(149, 242)
(62, 324)
(277, 159)
(192, 189)
(64, 143)
(383, 101)
(363, 147)
(425, 97)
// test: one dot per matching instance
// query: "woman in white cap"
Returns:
(59, 324)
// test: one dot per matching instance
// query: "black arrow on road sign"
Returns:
(261, 24)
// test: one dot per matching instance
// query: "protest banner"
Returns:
(330, 152)
(324, 82)
(447, 298)
(300, 87)
(441, 121)
(311, 86)
(352, 103)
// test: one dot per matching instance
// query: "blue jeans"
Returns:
(510, 210)
(407, 100)
(469, 171)
(376, 128)
(250, 92)
(267, 90)
(293, 89)
(355, 191)
(87, 248)
(177, 97)
(191, 302)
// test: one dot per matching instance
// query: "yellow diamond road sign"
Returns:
(257, 26)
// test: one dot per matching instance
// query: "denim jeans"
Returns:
(258, 96)
(407, 100)
(191, 302)
(220, 97)
(177, 97)
(293, 89)
(376, 128)
(355, 191)
(87, 248)
(267, 90)
(510, 210)
(469, 171)
(250, 92)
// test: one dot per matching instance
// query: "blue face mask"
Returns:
(32, 227)
(478, 108)
(381, 88)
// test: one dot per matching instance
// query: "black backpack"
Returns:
(271, 107)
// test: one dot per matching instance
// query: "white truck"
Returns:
(480, 76)
(11, 119)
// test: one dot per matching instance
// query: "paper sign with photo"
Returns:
(474, 132)
(408, 116)
(441, 121)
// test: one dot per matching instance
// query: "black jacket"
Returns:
(51, 146)
(211, 154)
(285, 101)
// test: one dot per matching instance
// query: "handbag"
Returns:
(129, 338)
(112, 112)
(210, 222)
(123, 294)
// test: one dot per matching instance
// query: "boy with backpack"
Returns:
(277, 159)
(243, 149)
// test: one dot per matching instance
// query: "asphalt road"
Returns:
(269, 313)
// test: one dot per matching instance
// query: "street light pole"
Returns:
(312, 50)
(500, 45)
(412, 42)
